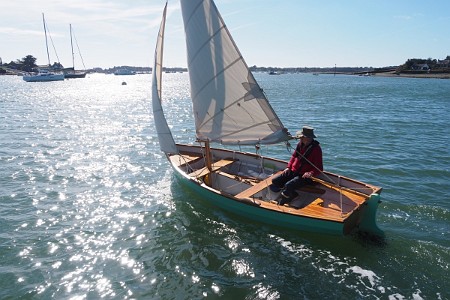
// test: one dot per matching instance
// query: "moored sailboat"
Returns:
(231, 109)
(72, 73)
(44, 74)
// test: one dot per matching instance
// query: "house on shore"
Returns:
(445, 63)
(420, 67)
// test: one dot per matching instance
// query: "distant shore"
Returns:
(390, 73)
(393, 74)
(424, 75)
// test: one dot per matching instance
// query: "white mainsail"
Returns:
(166, 141)
(229, 106)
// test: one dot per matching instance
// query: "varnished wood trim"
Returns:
(258, 187)
(215, 166)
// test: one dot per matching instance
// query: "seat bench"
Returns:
(181, 160)
(257, 187)
(214, 167)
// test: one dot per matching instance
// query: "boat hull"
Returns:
(255, 213)
(74, 75)
(43, 78)
(362, 218)
(124, 72)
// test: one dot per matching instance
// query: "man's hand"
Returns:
(307, 175)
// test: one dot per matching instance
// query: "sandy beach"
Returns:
(427, 75)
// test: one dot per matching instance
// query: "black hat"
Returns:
(306, 131)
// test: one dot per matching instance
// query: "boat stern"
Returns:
(367, 221)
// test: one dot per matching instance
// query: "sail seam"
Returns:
(205, 43)
(193, 12)
(222, 111)
(215, 76)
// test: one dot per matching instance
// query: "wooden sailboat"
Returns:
(72, 73)
(44, 74)
(231, 109)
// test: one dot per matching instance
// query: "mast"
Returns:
(46, 43)
(71, 45)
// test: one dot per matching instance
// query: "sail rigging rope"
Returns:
(79, 52)
(340, 193)
(54, 49)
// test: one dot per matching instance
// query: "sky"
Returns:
(269, 33)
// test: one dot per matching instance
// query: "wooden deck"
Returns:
(325, 206)
(319, 201)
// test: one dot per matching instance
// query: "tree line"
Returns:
(433, 64)
(28, 64)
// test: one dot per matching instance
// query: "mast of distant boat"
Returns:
(71, 45)
(46, 42)
(73, 37)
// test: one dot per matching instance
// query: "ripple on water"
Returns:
(90, 208)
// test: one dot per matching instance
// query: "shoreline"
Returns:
(404, 75)
(391, 74)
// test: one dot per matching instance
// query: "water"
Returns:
(90, 209)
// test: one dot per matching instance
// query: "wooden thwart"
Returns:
(215, 166)
(182, 159)
(258, 187)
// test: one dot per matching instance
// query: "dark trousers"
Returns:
(290, 181)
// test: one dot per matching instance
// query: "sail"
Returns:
(166, 141)
(229, 106)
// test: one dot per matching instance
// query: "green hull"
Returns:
(256, 213)
(362, 217)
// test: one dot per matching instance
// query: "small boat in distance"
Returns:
(230, 108)
(44, 74)
(71, 72)
(124, 72)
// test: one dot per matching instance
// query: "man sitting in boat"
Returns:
(305, 162)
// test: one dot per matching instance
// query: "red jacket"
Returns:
(300, 166)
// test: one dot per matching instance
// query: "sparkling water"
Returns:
(90, 209)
